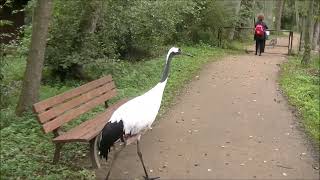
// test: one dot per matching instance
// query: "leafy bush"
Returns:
(125, 29)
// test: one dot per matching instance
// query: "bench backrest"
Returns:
(55, 111)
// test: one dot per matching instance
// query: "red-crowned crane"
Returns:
(134, 118)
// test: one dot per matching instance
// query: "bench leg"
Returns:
(56, 156)
(94, 152)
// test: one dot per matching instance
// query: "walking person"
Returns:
(260, 34)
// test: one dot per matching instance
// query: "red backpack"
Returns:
(259, 31)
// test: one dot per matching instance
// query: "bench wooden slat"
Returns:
(45, 104)
(73, 113)
(97, 128)
(64, 107)
(89, 129)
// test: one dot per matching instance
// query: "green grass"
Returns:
(301, 85)
(26, 153)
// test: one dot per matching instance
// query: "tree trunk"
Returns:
(307, 30)
(32, 77)
(279, 9)
(87, 27)
(297, 15)
(90, 19)
(236, 8)
(315, 34)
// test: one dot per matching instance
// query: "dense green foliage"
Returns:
(27, 153)
(301, 85)
(127, 29)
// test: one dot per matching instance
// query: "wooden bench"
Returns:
(56, 111)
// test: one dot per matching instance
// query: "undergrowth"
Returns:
(26, 152)
(301, 85)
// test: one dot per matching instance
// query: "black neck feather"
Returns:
(166, 69)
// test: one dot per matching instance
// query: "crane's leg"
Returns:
(114, 159)
(144, 168)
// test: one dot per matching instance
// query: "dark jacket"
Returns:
(265, 27)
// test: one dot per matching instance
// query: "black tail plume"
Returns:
(109, 135)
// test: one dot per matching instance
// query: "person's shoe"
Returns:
(259, 54)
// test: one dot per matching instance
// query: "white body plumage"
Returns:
(139, 113)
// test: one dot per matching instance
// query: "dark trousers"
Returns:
(264, 45)
(259, 46)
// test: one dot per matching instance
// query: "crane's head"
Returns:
(175, 51)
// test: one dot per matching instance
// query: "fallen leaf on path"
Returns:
(284, 166)
(209, 170)
(284, 174)
(265, 161)
(242, 164)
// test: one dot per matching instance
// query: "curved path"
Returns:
(232, 122)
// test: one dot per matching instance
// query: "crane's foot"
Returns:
(150, 178)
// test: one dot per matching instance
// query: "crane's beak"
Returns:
(187, 54)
